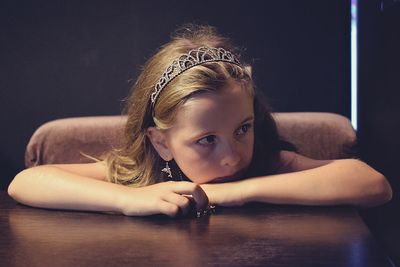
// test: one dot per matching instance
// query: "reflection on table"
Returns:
(253, 235)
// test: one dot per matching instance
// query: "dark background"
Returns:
(379, 128)
(76, 58)
(79, 58)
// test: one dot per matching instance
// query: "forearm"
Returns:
(51, 187)
(340, 182)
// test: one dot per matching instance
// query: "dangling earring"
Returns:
(167, 170)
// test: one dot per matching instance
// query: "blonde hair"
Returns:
(137, 163)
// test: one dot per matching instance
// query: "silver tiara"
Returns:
(186, 61)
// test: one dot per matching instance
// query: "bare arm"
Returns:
(310, 182)
(66, 187)
(345, 181)
(83, 187)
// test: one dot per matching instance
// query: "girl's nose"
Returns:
(230, 155)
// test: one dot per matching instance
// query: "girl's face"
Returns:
(213, 136)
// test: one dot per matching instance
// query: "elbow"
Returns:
(385, 193)
(380, 192)
(12, 189)
(16, 186)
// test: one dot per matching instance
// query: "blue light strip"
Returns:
(354, 54)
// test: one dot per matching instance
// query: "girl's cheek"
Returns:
(200, 153)
(195, 159)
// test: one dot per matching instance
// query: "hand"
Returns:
(225, 194)
(170, 198)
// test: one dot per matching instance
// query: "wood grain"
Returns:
(253, 235)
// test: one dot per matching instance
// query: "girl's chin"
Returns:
(216, 180)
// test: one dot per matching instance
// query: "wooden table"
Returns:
(253, 235)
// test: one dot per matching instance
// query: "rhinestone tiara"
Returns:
(191, 59)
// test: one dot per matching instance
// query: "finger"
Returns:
(181, 201)
(193, 189)
(168, 208)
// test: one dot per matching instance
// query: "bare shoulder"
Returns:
(292, 162)
(96, 170)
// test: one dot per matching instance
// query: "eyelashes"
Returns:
(211, 139)
(208, 140)
(244, 128)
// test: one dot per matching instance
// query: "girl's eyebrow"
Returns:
(250, 118)
(195, 136)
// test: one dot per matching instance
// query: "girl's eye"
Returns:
(242, 130)
(208, 140)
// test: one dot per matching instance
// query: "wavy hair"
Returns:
(136, 163)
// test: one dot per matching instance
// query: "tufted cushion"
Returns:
(317, 135)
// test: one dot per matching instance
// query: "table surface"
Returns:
(252, 235)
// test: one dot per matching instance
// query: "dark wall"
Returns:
(77, 58)
(379, 130)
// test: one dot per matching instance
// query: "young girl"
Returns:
(198, 134)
